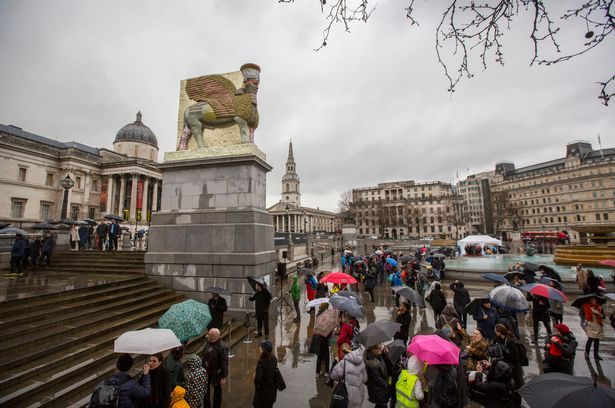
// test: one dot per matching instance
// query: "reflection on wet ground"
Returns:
(292, 340)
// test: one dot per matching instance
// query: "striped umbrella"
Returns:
(540, 289)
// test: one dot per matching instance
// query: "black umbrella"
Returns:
(410, 294)
(475, 304)
(73, 222)
(113, 217)
(350, 295)
(63, 226)
(550, 272)
(396, 349)
(219, 291)
(565, 391)
(530, 267)
(359, 261)
(346, 305)
(438, 256)
(407, 258)
(90, 221)
(253, 281)
(495, 278)
(547, 281)
(45, 225)
(378, 332)
(4, 225)
(581, 300)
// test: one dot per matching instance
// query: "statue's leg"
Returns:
(243, 129)
(183, 140)
(192, 120)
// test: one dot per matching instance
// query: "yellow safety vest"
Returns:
(403, 390)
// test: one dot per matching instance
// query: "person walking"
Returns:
(262, 300)
(378, 367)
(295, 293)
(49, 245)
(217, 307)
(18, 251)
(215, 361)
(265, 388)
(195, 381)
(352, 370)
(461, 299)
(540, 313)
(582, 278)
(83, 232)
(160, 395)
(130, 392)
(437, 301)
(102, 230)
(594, 316)
(370, 282)
(114, 232)
(403, 317)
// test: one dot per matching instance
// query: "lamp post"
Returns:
(67, 183)
(544, 249)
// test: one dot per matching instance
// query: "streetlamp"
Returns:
(67, 183)
(286, 210)
(305, 223)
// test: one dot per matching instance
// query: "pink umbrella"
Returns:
(433, 349)
(608, 262)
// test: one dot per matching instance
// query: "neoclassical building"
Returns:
(289, 215)
(124, 181)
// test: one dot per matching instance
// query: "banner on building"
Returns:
(140, 194)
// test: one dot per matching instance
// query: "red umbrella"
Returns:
(540, 289)
(608, 262)
(338, 277)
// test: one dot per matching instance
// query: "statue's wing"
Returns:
(216, 90)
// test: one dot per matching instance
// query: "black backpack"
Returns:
(107, 394)
(339, 399)
(446, 393)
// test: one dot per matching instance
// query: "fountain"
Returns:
(602, 246)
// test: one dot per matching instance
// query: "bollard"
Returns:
(247, 340)
(230, 355)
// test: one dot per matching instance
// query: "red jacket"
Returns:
(345, 336)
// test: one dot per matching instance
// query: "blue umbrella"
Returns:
(495, 278)
(392, 261)
(547, 281)
(186, 319)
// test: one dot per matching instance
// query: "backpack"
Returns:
(107, 394)
(523, 360)
(354, 343)
(446, 393)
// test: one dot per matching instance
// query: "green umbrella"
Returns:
(186, 319)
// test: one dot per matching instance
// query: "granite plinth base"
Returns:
(213, 229)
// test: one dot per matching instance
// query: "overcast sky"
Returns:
(370, 107)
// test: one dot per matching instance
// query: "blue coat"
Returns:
(19, 247)
(486, 324)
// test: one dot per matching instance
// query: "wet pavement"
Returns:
(291, 344)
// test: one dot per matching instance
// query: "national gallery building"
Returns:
(34, 172)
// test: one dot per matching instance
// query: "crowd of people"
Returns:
(31, 253)
(489, 369)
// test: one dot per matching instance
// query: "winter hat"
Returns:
(124, 362)
(266, 346)
(562, 328)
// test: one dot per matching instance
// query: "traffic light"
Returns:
(138, 214)
(126, 214)
(148, 216)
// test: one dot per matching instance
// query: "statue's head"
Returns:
(251, 77)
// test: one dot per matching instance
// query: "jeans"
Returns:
(588, 345)
(436, 274)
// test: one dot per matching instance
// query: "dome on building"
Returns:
(136, 132)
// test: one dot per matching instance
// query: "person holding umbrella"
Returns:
(114, 232)
(486, 318)
(262, 300)
(18, 251)
(403, 317)
(461, 299)
(49, 245)
(160, 395)
(594, 316)
(540, 313)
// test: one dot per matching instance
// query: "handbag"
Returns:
(339, 399)
(279, 380)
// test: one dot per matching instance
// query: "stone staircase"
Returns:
(54, 348)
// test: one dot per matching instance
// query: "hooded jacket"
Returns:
(498, 386)
(355, 377)
(177, 398)
(196, 381)
(449, 316)
(295, 290)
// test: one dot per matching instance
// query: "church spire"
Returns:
(290, 181)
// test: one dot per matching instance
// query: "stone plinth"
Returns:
(213, 229)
